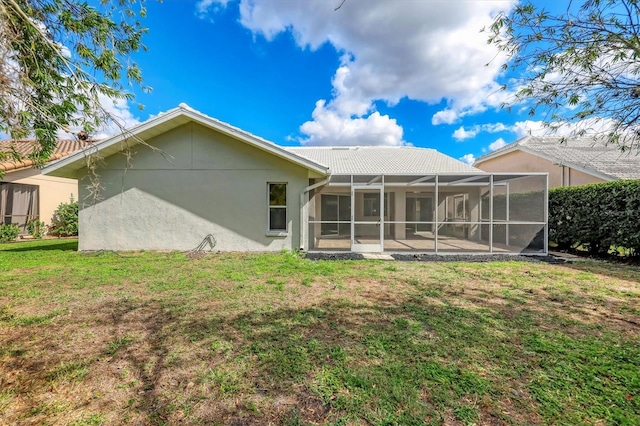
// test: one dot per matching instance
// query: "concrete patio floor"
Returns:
(424, 243)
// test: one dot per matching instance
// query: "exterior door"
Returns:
(419, 209)
(367, 218)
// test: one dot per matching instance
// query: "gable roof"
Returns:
(587, 154)
(404, 160)
(64, 148)
(169, 120)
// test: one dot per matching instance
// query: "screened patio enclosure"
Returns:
(436, 213)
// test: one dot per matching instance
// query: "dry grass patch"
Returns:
(158, 338)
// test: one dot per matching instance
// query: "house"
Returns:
(195, 176)
(576, 161)
(26, 194)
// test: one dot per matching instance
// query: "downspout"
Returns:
(303, 207)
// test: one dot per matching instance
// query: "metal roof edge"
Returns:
(256, 141)
(559, 161)
(520, 145)
(504, 150)
(198, 117)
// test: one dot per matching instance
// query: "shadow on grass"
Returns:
(42, 245)
(411, 360)
(416, 362)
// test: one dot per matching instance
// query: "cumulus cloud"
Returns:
(463, 133)
(425, 51)
(497, 144)
(468, 158)
(205, 7)
(121, 113)
(123, 118)
(446, 116)
(330, 128)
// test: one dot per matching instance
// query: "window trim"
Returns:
(7, 215)
(277, 232)
(376, 204)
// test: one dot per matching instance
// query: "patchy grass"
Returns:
(156, 338)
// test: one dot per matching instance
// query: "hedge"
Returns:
(597, 216)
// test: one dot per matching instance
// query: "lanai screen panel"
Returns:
(410, 225)
(330, 217)
(460, 226)
(457, 213)
(520, 212)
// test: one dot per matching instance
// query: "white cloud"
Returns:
(428, 51)
(205, 7)
(497, 144)
(468, 158)
(122, 118)
(446, 116)
(330, 128)
(461, 133)
(122, 115)
(528, 127)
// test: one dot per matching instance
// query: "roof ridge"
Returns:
(346, 147)
(176, 116)
(186, 107)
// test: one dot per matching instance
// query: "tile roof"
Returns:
(383, 160)
(63, 148)
(586, 153)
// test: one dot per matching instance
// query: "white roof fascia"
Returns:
(257, 142)
(198, 118)
(517, 146)
(560, 162)
(106, 143)
(509, 148)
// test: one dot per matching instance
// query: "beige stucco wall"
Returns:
(212, 184)
(52, 190)
(519, 161)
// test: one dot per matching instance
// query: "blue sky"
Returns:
(298, 72)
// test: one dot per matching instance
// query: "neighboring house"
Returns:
(577, 161)
(26, 194)
(196, 176)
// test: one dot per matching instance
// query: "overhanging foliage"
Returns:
(60, 60)
(579, 67)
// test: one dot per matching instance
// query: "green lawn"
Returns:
(243, 339)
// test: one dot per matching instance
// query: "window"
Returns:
(372, 204)
(457, 207)
(18, 203)
(277, 207)
(335, 209)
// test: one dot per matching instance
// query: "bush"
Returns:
(65, 220)
(9, 232)
(36, 228)
(597, 217)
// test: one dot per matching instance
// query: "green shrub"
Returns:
(36, 228)
(8, 232)
(597, 217)
(65, 220)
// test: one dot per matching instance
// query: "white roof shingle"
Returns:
(587, 153)
(383, 160)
